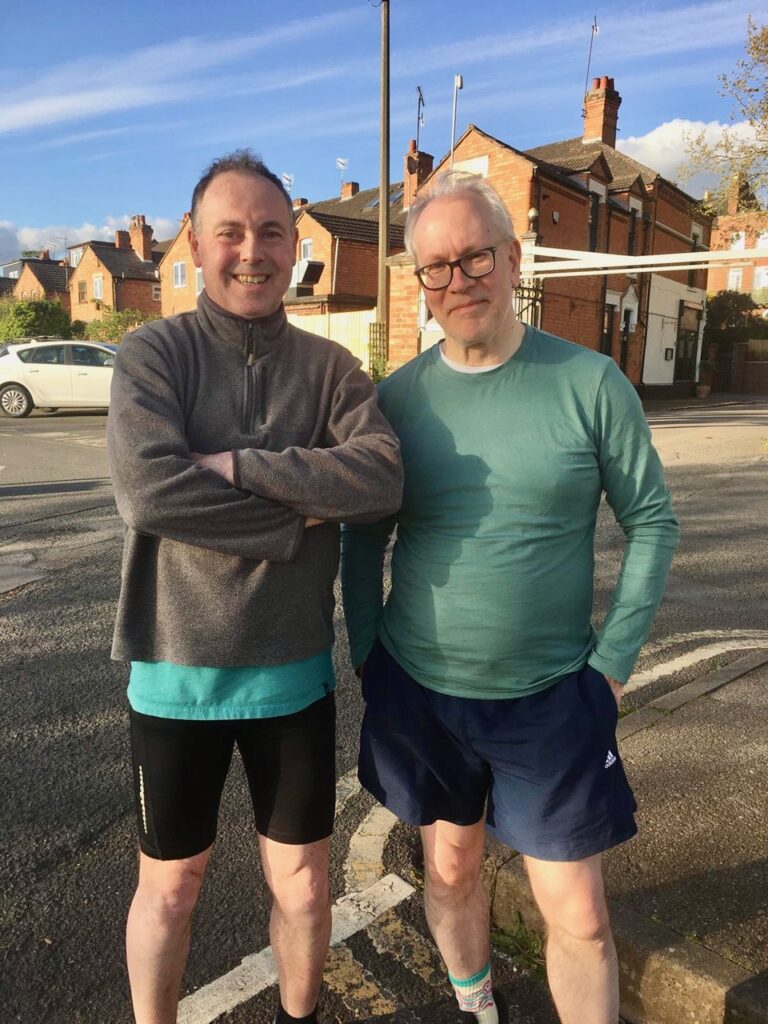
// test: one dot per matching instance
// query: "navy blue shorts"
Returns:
(545, 768)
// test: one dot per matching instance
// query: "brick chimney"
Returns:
(417, 167)
(122, 240)
(299, 202)
(141, 237)
(45, 254)
(349, 189)
(601, 112)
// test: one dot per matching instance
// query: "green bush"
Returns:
(30, 317)
(115, 324)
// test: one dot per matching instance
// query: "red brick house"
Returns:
(43, 278)
(584, 194)
(180, 280)
(741, 225)
(116, 275)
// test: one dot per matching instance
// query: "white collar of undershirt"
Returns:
(461, 367)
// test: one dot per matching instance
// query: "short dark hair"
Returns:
(243, 161)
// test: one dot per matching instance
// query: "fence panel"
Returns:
(348, 329)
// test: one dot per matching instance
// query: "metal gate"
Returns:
(528, 302)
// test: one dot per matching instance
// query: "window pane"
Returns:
(44, 354)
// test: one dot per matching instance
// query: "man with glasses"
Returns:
(490, 697)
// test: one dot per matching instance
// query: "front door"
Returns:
(91, 375)
(687, 343)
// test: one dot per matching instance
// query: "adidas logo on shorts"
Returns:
(611, 759)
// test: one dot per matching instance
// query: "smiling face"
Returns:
(244, 240)
(475, 313)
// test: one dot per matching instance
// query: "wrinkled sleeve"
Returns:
(357, 477)
(363, 547)
(633, 481)
(158, 487)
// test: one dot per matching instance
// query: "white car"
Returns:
(54, 374)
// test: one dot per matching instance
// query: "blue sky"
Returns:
(111, 110)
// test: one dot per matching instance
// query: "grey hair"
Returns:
(449, 184)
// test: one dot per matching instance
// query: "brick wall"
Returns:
(89, 265)
(178, 300)
(753, 225)
(137, 295)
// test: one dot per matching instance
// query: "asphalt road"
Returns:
(67, 855)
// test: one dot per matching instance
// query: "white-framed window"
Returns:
(82, 291)
(14, 274)
(761, 277)
(734, 279)
(199, 284)
(180, 274)
(738, 240)
(98, 286)
(305, 249)
(75, 255)
(762, 240)
(157, 292)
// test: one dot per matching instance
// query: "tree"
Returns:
(740, 154)
(31, 317)
(115, 323)
(731, 318)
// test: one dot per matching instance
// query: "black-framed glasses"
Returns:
(436, 276)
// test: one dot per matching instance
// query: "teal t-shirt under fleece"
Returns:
(201, 693)
(493, 563)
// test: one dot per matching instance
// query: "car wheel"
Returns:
(15, 401)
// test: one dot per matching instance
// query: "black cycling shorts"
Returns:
(179, 770)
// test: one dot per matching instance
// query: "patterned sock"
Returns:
(475, 995)
(283, 1017)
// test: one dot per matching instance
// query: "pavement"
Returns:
(688, 897)
(715, 399)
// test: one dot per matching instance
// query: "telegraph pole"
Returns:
(381, 304)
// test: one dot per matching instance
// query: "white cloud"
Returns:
(165, 73)
(55, 237)
(663, 148)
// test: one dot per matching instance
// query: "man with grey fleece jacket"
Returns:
(238, 443)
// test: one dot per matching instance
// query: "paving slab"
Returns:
(688, 895)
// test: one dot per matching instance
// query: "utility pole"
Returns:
(381, 304)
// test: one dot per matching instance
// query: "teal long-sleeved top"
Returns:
(493, 562)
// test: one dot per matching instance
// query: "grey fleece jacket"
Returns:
(219, 575)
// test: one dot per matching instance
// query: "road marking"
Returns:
(708, 634)
(363, 865)
(70, 437)
(351, 914)
(757, 639)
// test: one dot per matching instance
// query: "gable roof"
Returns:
(357, 218)
(125, 262)
(51, 274)
(575, 155)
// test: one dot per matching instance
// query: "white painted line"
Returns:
(668, 668)
(258, 971)
(366, 848)
(675, 639)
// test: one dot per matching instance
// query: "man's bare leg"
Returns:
(157, 933)
(581, 958)
(300, 923)
(454, 899)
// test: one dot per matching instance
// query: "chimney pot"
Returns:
(417, 167)
(298, 202)
(601, 112)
